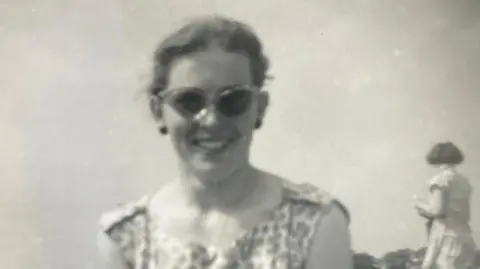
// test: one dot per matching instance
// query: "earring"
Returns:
(163, 130)
(258, 124)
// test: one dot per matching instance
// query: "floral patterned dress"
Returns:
(282, 242)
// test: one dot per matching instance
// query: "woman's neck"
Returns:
(447, 167)
(219, 194)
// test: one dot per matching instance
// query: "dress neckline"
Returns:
(175, 244)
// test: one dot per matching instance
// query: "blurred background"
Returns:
(362, 90)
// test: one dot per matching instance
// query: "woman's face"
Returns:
(211, 143)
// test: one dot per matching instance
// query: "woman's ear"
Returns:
(156, 107)
(262, 104)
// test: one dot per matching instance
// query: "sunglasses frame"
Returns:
(212, 99)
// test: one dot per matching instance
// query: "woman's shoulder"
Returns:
(121, 227)
(319, 218)
(306, 194)
(443, 178)
(129, 214)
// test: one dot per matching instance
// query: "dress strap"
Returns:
(122, 214)
(125, 225)
(306, 192)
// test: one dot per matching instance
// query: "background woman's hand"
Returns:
(417, 201)
(420, 206)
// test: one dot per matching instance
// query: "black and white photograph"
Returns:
(210, 134)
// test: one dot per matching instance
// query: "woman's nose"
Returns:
(208, 117)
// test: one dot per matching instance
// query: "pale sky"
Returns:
(362, 89)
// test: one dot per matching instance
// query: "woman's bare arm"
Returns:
(331, 246)
(109, 253)
(435, 207)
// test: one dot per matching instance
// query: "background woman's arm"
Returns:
(435, 207)
(331, 246)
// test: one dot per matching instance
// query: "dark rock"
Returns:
(365, 261)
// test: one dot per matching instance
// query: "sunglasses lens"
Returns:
(235, 102)
(189, 102)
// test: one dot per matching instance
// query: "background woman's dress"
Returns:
(451, 245)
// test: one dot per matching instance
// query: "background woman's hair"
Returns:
(445, 153)
(198, 35)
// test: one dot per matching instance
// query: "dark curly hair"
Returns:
(201, 33)
(445, 153)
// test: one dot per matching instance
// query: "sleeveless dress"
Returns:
(451, 245)
(282, 242)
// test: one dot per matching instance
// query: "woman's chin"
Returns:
(210, 169)
(203, 165)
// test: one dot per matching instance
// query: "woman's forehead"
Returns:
(210, 69)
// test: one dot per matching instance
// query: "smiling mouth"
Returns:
(212, 145)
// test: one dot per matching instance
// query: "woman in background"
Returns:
(221, 212)
(450, 243)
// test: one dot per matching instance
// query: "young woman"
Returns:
(221, 212)
(450, 245)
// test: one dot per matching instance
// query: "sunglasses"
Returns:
(230, 101)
